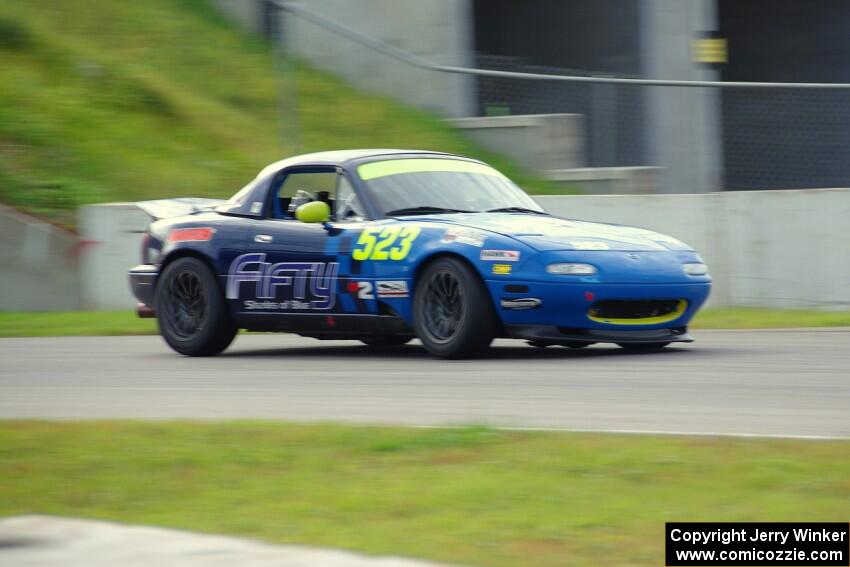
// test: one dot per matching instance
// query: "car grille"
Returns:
(626, 311)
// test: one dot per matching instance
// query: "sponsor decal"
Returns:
(289, 305)
(589, 245)
(462, 235)
(363, 290)
(384, 288)
(304, 285)
(256, 207)
(385, 243)
(502, 269)
(392, 288)
(500, 255)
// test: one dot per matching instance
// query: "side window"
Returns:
(303, 187)
(348, 205)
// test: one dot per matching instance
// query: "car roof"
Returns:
(339, 157)
(255, 191)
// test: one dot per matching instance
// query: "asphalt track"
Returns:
(780, 382)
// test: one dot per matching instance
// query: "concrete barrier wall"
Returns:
(246, 13)
(784, 249)
(39, 265)
(117, 230)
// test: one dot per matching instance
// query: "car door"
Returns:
(288, 267)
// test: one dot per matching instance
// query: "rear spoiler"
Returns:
(167, 208)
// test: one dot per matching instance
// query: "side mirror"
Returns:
(317, 211)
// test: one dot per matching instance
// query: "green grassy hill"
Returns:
(109, 100)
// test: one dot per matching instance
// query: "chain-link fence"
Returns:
(613, 114)
(743, 135)
(785, 138)
(772, 136)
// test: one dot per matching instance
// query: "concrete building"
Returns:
(699, 139)
(675, 129)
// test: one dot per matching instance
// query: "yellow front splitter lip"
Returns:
(669, 317)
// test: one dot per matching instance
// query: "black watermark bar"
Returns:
(757, 543)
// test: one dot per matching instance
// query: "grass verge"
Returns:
(74, 323)
(469, 495)
(753, 318)
(90, 323)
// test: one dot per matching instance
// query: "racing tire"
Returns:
(191, 312)
(380, 341)
(642, 347)
(452, 312)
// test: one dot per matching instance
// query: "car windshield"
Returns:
(437, 185)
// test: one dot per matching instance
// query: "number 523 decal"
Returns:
(385, 243)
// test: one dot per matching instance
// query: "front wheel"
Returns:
(452, 313)
(190, 309)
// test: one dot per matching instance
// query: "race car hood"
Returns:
(545, 233)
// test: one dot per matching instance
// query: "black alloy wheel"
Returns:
(444, 306)
(453, 314)
(185, 304)
(191, 311)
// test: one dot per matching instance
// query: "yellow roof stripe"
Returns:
(377, 169)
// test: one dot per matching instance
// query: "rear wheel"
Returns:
(385, 340)
(452, 312)
(642, 347)
(190, 309)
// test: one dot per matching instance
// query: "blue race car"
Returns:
(382, 246)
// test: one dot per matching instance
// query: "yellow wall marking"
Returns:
(711, 50)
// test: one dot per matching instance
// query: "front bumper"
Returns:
(566, 305)
(571, 335)
(142, 282)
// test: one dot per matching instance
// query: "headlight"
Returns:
(571, 269)
(695, 269)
